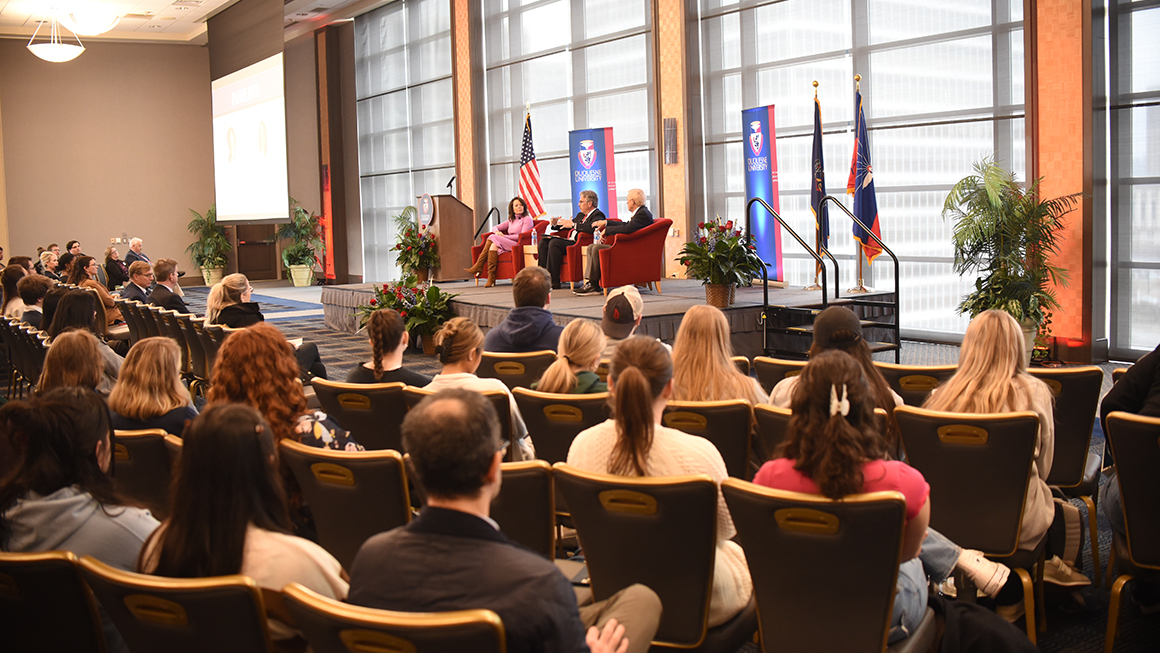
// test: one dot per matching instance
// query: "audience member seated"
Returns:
(78, 310)
(992, 378)
(136, 253)
(51, 300)
(838, 328)
(60, 496)
(389, 339)
(84, 274)
(702, 369)
(72, 250)
(833, 448)
(506, 235)
(529, 326)
(11, 276)
(115, 269)
(634, 443)
(48, 264)
(623, 310)
(459, 344)
(574, 371)
(641, 218)
(454, 557)
(140, 283)
(74, 359)
(53, 247)
(165, 293)
(237, 523)
(24, 262)
(1137, 392)
(149, 393)
(229, 304)
(32, 290)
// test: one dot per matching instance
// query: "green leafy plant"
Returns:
(424, 306)
(721, 254)
(416, 246)
(1008, 234)
(304, 231)
(212, 247)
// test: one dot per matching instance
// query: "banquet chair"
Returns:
(143, 471)
(772, 423)
(914, 383)
(742, 364)
(525, 510)
(516, 370)
(45, 606)
(554, 420)
(727, 424)
(499, 400)
(372, 412)
(770, 371)
(636, 258)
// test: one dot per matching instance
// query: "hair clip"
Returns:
(839, 405)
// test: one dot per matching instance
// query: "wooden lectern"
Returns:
(453, 225)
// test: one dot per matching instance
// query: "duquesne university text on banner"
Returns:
(592, 167)
(761, 181)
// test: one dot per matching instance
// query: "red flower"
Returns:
(688, 263)
(729, 225)
(374, 301)
(700, 225)
(408, 248)
(386, 286)
(737, 233)
(722, 228)
(402, 313)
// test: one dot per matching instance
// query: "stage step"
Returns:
(809, 328)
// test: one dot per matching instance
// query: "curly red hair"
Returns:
(256, 367)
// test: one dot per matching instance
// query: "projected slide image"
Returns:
(249, 132)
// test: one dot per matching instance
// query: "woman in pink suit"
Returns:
(505, 236)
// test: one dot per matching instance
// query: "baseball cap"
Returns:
(833, 320)
(621, 310)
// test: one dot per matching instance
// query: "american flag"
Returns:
(530, 173)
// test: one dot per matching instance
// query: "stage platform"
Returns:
(663, 310)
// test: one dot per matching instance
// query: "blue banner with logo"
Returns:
(761, 181)
(592, 167)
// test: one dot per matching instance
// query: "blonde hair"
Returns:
(149, 383)
(73, 359)
(992, 375)
(581, 344)
(456, 339)
(226, 292)
(702, 369)
(641, 368)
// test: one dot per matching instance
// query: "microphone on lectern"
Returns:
(452, 180)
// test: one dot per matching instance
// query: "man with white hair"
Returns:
(641, 218)
(135, 254)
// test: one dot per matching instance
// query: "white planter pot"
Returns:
(301, 275)
(212, 276)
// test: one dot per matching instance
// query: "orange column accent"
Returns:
(461, 39)
(669, 32)
(1062, 120)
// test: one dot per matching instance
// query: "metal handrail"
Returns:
(486, 219)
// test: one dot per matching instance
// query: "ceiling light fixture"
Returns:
(89, 19)
(54, 50)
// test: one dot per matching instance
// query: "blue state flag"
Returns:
(861, 186)
(818, 186)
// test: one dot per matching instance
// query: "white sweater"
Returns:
(675, 453)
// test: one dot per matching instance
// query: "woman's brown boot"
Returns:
(492, 264)
(481, 261)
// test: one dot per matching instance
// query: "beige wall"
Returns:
(116, 142)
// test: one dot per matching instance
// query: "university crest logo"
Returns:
(755, 139)
(587, 154)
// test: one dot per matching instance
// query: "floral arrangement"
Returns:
(720, 254)
(424, 306)
(416, 245)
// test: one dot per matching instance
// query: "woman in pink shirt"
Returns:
(505, 236)
(832, 448)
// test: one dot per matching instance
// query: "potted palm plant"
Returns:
(722, 258)
(1008, 234)
(304, 231)
(209, 252)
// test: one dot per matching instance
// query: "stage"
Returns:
(663, 310)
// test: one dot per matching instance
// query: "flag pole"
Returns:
(817, 229)
(860, 288)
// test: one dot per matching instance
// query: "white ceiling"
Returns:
(181, 21)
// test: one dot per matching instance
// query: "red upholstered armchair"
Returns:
(572, 267)
(512, 262)
(635, 258)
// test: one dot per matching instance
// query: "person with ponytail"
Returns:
(459, 344)
(833, 448)
(634, 443)
(237, 523)
(702, 365)
(389, 339)
(574, 371)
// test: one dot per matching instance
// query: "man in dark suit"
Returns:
(554, 245)
(453, 556)
(140, 281)
(135, 254)
(641, 218)
(165, 293)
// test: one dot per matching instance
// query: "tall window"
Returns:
(942, 85)
(1127, 188)
(405, 117)
(579, 69)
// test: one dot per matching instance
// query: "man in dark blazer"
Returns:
(140, 281)
(553, 245)
(453, 556)
(165, 294)
(135, 252)
(641, 218)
